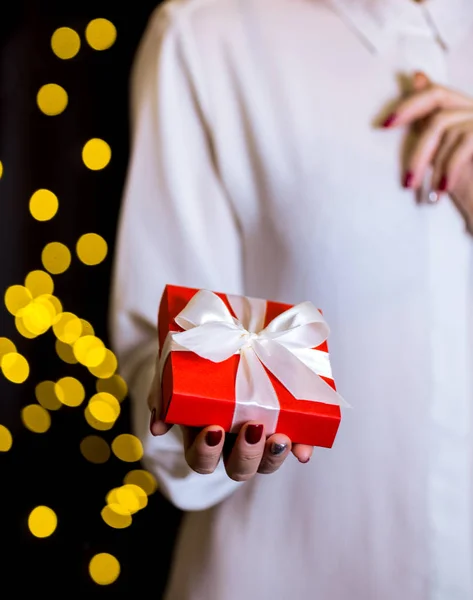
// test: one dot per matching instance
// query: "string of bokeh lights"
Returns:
(37, 311)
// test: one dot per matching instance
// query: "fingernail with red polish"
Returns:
(152, 419)
(443, 185)
(389, 120)
(408, 178)
(304, 462)
(253, 433)
(213, 438)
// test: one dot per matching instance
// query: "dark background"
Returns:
(38, 151)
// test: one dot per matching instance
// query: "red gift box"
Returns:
(198, 392)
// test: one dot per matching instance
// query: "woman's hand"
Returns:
(245, 454)
(445, 141)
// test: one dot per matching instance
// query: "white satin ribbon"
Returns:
(284, 347)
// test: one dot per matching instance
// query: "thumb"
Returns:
(157, 426)
(420, 81)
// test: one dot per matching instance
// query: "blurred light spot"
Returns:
(114, 385)
(65, 43)
(52, 100)
(70, 391)
(143, 479)
(43, 206)
(115, 516)
(104, 568)
(39, 283)
(127, 447)
(1, 169)
(52, 305)
(91, 249)
(106, 368)
(138, 493)
(37, 317)
(42, 521)
(68, 328)
(65, 353)
(56, 303)
(96, 154)
(56, 258)
(8, 347)
(87, 328)
(46, 395)
(104, 407)
(36, 418)
(15, 367)
(128, 499)
(95, 449)
(6, 439)
(16, 298)
(100, 34)
(90, 351)
(95, 423)
(22, 329)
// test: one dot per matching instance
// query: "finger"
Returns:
(276, 449)
(245, 457)
(302, 452)
(429, 143)
(459, 159)
(204, 449)
(157, 426)
(420, 81)
(426, 102)
(450, 141)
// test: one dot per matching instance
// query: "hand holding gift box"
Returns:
(229, 360)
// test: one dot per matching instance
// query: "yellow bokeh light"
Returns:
(39, 283)
(127, 447)
(104, 568)
(22, 329)
(128, 499)
(96, 154)
(70, 391)
(6, 440)
(16, 298)
(68, 328)
(114, 385)
(90, 351)
(1, 169)
(38, 317)
(52, 100)
(104, 407)
(52, 300)
(56, 258)
(42, 521)
(115, 516)
(87, 328)
(43, 205)
(7, 347)
(46, 395)
(65, 353)
(36, 418)
(91, 249)
(65, 43)
(107, 367)
(143, 479)
(100, 34)
(95, 423)
(15, 367)
(95, 449)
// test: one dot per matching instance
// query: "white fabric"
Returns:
(256, 169)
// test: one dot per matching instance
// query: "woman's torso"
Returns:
(291, 91)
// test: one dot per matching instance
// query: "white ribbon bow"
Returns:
(285, 347)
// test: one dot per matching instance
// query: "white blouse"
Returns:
(257, 168)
